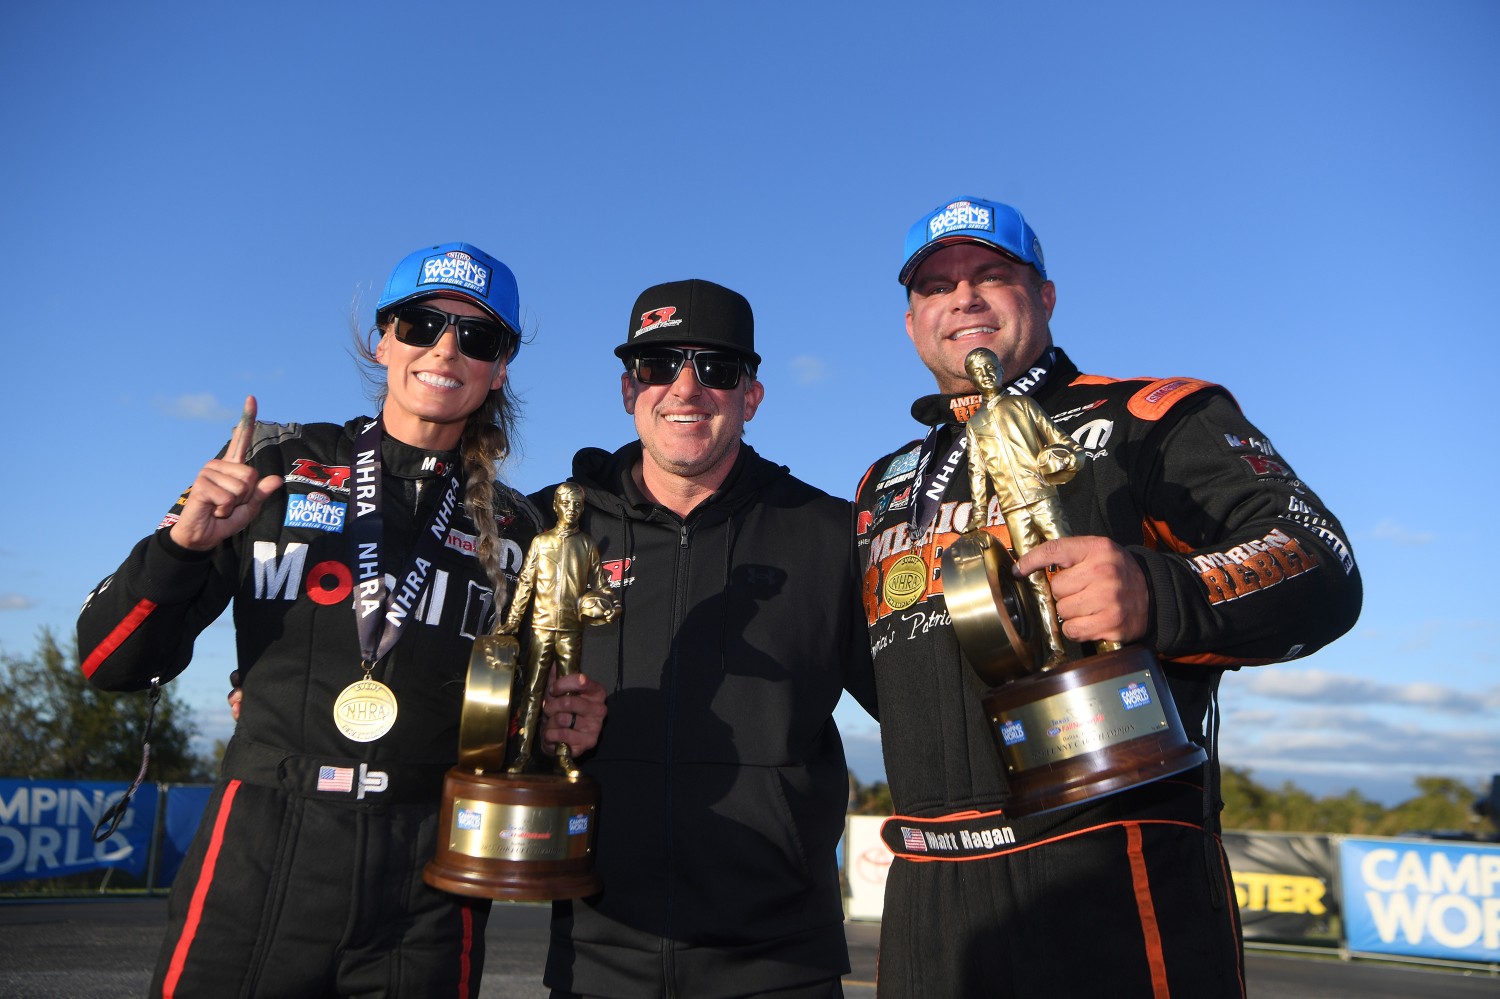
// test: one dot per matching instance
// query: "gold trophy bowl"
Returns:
(509, 836)
(1071, 733)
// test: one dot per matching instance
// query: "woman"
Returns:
(362, 560)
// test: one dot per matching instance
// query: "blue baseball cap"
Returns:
(461, 269)
(972, 220)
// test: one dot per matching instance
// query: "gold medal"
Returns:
(905, 582)
(365, 710)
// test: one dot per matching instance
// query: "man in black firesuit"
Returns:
(1191, 536)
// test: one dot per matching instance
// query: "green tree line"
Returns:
(53, 724)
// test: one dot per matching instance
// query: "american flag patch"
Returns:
(335, 778)
(913, 839)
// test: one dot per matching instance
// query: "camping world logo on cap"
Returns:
(960, 215)
(458, 270)
(658, 319)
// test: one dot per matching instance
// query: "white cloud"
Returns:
(200, 406)
(1327, 688)
(15, 601)
(807, 369)
(1389, 530)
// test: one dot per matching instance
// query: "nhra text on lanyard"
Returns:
(380, 611)
(928, 495)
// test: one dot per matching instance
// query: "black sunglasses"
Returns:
(481, 339)
(715, 369)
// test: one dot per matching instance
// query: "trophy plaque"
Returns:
(1096, 725)
(1069, 727)
(509, 836)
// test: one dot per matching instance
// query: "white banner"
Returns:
(867, 860)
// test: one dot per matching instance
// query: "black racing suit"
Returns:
(1129, 895)
(305, 876)
(722, 773)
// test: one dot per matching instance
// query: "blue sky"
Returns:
(1297, 200)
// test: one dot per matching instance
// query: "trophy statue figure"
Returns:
(1070, 724)
(564, 583)
(1015, 448)
(512, 834)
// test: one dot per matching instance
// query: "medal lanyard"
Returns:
(928, 496)
(380, 611)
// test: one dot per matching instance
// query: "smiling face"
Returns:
(430, 391)
(688, 431)
(966, 296)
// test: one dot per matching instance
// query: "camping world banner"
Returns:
(47, 828)
(1426, 899)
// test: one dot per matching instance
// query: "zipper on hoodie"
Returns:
(679, 613)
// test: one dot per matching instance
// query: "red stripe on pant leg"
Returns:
(1146, 910)
(116, 638)
(464, 956)
(200, 891)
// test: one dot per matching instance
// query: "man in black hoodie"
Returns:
(723, 782)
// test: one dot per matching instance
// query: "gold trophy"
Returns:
(1069, 726)
(508, 833)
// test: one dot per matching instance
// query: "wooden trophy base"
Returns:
(520, 837)
(1093, 727)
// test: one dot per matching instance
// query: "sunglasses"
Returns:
(481, 339)
(715, 369)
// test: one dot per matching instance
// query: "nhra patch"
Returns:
(456, 269)
(314, 510)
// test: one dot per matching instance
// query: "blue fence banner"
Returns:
(185, 804)
(1421, 898)
(47, 828)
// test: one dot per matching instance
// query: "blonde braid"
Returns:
(485, 444)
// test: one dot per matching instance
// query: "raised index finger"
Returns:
(239, 441)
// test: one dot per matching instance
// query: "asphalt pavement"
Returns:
(105, 949)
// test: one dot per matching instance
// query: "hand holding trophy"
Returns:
(514, 834)
(1069, 726)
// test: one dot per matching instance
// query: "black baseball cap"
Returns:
(695, 313)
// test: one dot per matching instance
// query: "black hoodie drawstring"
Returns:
(731, 534)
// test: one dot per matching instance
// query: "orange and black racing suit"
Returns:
(1130, 894)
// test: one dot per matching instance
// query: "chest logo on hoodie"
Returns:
(619, 572)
